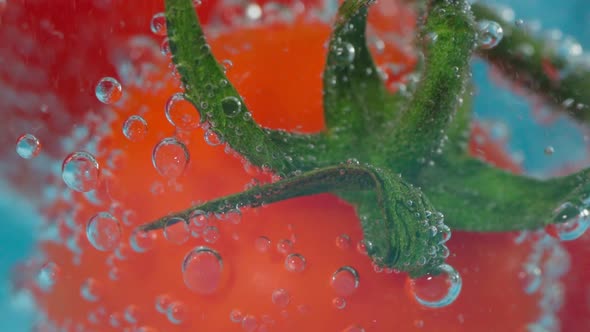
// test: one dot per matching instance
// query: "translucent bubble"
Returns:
(80, 171)
(141, 241)
(295, 263)
(177, 313)
(176, 230)
(343, 241)
(281, 297)
(28, 146)
(165, 47)
(354, 328)
(181, 113)
(344, 53)
(490, 34)
(132, 313)
(170, 157)
(437, 291)
(108, 90)
(158, 24)
(531, 277)
(345, 281)
(236, 316)
(210, 234)
(91, 290)
(339, 303)
(103, 231)
(212, 138)
(231, 106)
(135, 128)
(262, 244)
(549, 150)
(198, 220)
(572, 222)
(162, 303)
(284, 246)
(249, 323)
(202, 270)
(48, 275)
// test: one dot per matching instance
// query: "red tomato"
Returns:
(251, 285)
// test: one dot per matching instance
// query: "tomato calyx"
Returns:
(362, 119)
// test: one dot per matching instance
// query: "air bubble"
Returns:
(531, 277)
(162, 303)
(177, 313)
(80, 171)
(158, 24)
(212, 138)
(284, 247)
(295, 263)
(211, 234)
(281, 297)
(103, 231)
(249, 323)
(231, 106)
(344, 53)
(354, 328)
(108, 90)
(236, 316)
(202, 270)
(90, 290)
(176, 230)
(135, 128)
(262, 244)
(345, 281)
(170, 157)
(490, 34)
(181, 113)
(339, 303)
(28, 146)
(572, 222)
(198, 220)
(141, 241)
(132, 313)
(549, 150)
(437, 291)
(47, 276)
(343, 241)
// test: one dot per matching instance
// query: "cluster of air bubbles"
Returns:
(80, 171)
(202, 270)
(28, 146)
(490, 34)
(170, 157)
(108, 90)
(436, 290)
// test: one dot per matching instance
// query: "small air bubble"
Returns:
(170, 157)
(108, 90)
(176, 230)
(28, 146)
(281, 297)
(202, 270)
(345, 281)
(158, 24)
(181, 113)
(437, 291)
(295, 263)
(135, 128)
(80, 171)
(103, 231)
(490, 34)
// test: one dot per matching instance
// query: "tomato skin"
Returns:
(292, 101)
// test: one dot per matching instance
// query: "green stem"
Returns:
(218, 101)
(401, 228)
(450, 34)
(534, 62)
